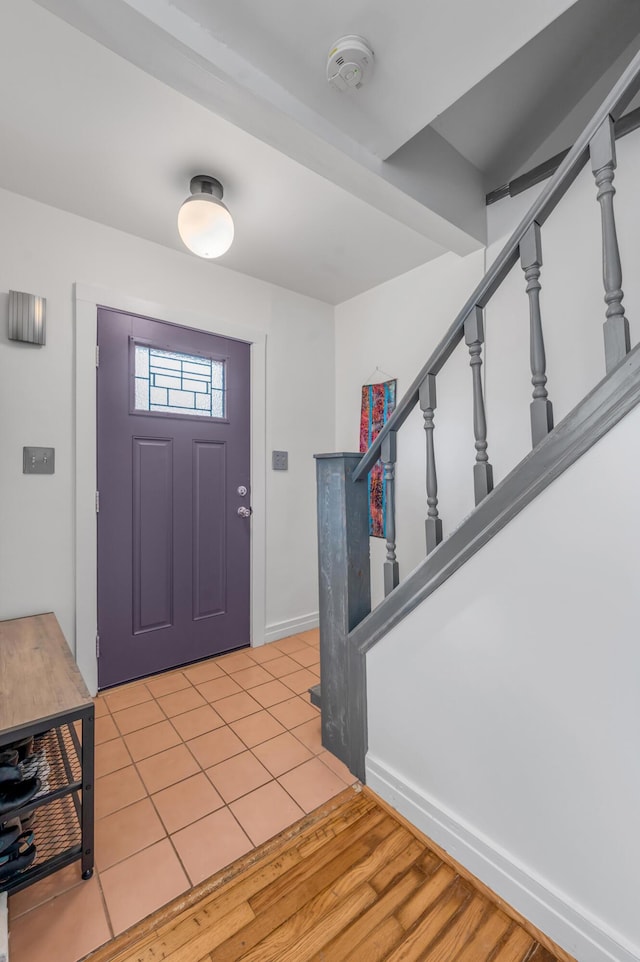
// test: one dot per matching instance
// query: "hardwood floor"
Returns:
(349, 882)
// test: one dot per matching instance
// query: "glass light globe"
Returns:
(205, 225)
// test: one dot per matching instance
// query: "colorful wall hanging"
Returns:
(378, 404)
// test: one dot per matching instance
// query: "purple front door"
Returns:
(173, 472)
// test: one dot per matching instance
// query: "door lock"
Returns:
(242, 491)
(244, 512)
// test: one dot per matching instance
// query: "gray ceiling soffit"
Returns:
(538, 100)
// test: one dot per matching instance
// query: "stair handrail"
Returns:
(613, 106)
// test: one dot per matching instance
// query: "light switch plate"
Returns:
(280, 460)
(38, 460)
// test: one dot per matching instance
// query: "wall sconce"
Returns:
(27, 317)
(204, 223)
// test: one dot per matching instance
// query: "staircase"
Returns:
(349, 628)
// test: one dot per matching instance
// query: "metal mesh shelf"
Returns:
(62, 749)
(56, 831)
(54, 814)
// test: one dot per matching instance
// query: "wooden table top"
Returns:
(39, 679)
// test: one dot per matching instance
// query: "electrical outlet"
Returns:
(280, 460)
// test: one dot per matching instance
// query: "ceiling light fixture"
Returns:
(204, 223)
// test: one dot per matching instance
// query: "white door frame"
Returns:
(86, 302)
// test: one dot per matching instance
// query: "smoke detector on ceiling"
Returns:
(350, 63)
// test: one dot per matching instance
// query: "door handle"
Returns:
(245, 512)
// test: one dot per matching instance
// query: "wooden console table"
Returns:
(42, 693)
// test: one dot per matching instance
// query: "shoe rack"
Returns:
(43, 696)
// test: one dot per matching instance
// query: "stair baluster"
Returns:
(541, 408)
(482, 469)
(433, 523)
(388, 455)
(602, 149)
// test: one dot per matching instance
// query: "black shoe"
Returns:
(9, 756)
(16, 794)
(8, 835)
(9, 773)
(23, 746)
(29, 821)
(18, 857)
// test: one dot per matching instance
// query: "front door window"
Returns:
(172, 383)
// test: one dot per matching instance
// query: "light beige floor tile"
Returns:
(282, 666)
(48, 888)
(150, 741)
(309, 734)
(337, 767)
(209, 845)
(300, 681)
(271, 693)
(257, 728)
(196, 722)
(139, 716)
(110, 756)
(186, 802)
(127, 696)
(238, 776)
(251, 677)
(181, 701)
(234, 661)
(65, 928)
(100, 707)
(237, 706)
(215, 746)
(293, 712)
(167, 768)
(125, 832)
(118, 790)
(265, 812)
(204, 671)
(218, 688)
(311, 784)
(264, 653)
(105, 729)
(308, 657)
(141, 884)
(291, 644)
(166, 684)
(282, 753)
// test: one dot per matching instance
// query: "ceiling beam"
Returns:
(426, 185)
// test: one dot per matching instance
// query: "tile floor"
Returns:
(193, 769)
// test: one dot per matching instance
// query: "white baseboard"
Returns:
(588, 939)
(281, 629)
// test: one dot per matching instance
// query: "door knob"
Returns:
(244, 512)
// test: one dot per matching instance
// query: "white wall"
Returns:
(504, 714)
(44, 251)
